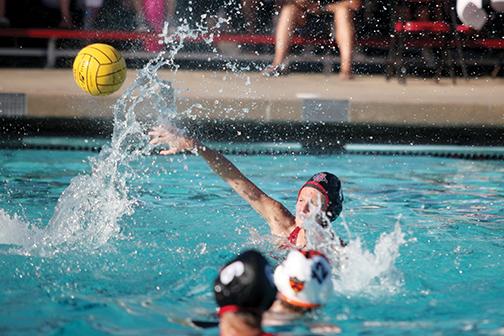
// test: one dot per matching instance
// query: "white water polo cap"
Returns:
(472, 13)
(304, 279)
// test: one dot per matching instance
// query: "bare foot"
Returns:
(275, 70)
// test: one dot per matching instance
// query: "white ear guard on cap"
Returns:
(304, 279)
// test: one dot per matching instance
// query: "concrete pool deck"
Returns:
(367, 100)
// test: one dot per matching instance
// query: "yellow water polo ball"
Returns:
(99, 69)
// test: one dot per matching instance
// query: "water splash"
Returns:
(371, 273)
(88, 212)
(356, 270)
(14, 231)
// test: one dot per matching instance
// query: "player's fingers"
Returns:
(170, 151)
(154, 141)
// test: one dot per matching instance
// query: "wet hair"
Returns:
(246, 283)
(330, 187)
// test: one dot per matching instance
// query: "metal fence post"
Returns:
(51, 53)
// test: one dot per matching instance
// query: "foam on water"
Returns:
(372, 273)
(357, 270)
(13, 231)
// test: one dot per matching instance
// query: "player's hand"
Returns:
(172, 137)
(325, 328)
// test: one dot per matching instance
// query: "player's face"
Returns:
(309, 200)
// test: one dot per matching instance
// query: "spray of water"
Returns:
(87, 213)
(356, 270)
(13, 231)
(371, 273)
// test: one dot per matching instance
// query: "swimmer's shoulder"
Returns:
(205, 324)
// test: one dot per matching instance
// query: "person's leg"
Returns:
(4, 22)
(2, 8)
(141, 23)
(170, 6)
(137, 5)
(91, 12)
(66, 15)
(344, 32)
(285, 27)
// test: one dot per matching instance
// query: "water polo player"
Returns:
(304, 283)
(321, 193)
(244, 290)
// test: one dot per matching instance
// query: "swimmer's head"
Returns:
(245, 284)
(322, 190)
(304, 279)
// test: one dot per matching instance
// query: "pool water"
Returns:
(127, 243)
(144, 261)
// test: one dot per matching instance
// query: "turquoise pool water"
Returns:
(140, 253)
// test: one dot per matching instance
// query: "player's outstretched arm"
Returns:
(280, 220)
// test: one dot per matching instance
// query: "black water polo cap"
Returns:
(245, 283)
(330, 186)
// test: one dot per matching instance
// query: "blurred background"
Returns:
(47, 33)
